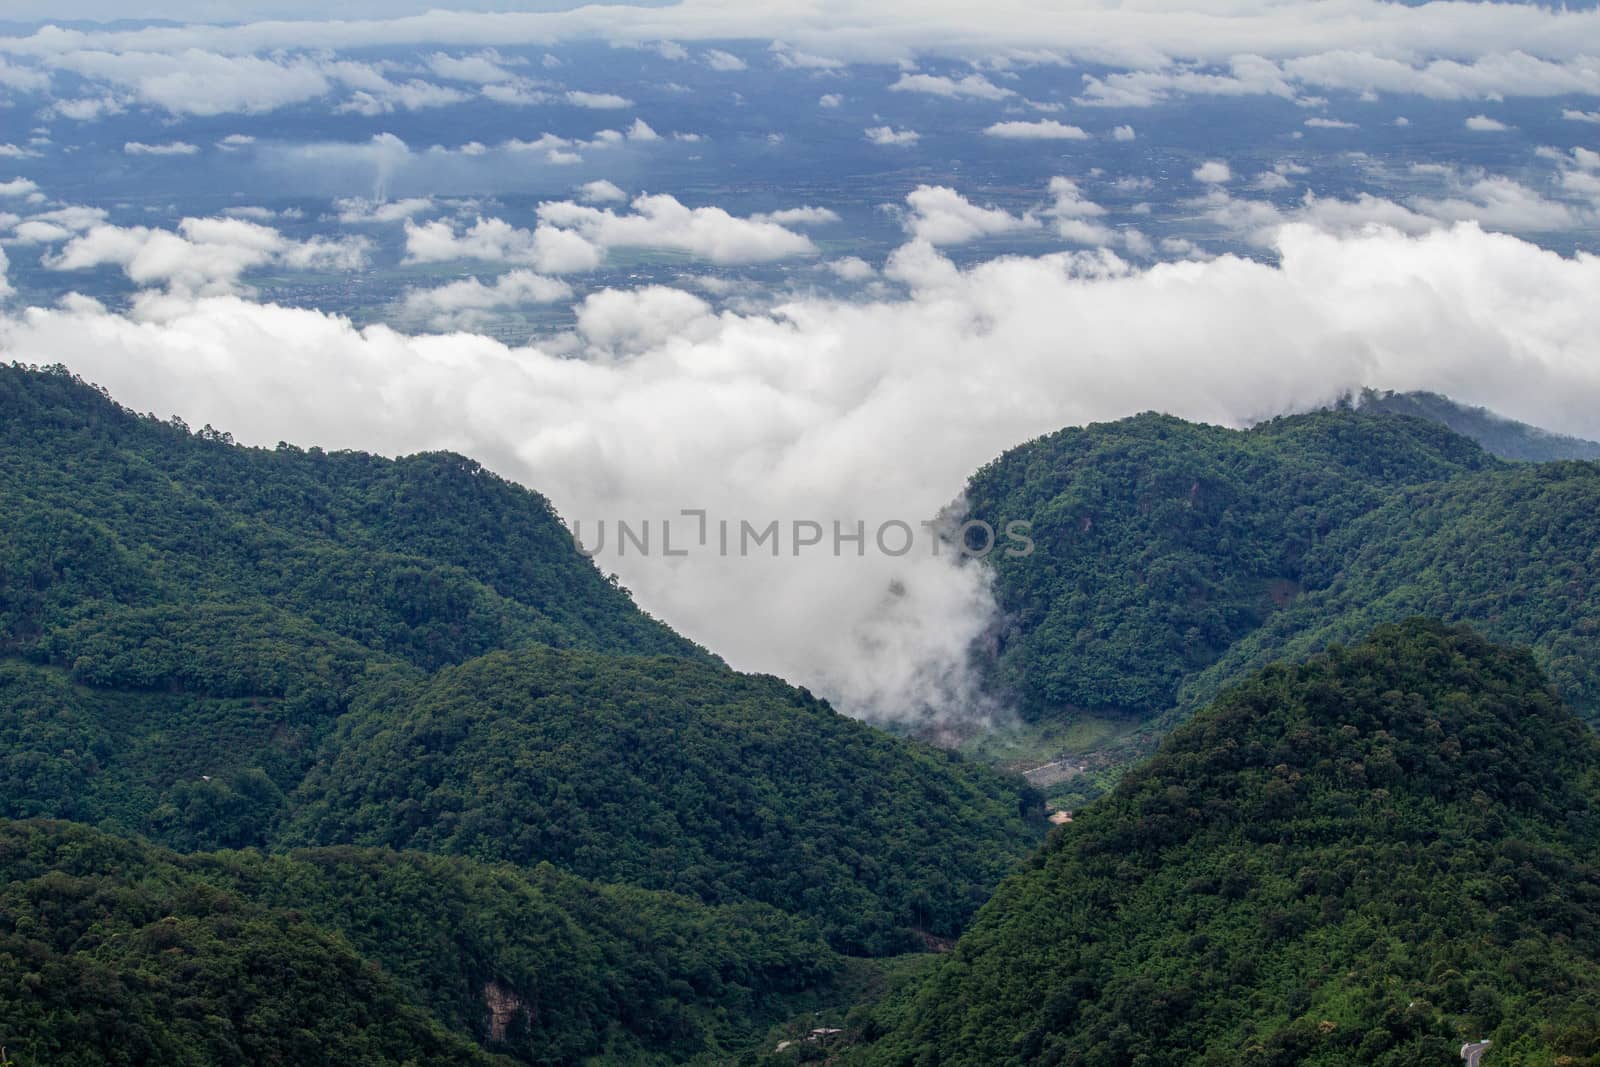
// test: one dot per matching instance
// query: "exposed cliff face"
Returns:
(504, 1007)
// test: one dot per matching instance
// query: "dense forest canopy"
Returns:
(618, 846)
(1174, 557)
(1370, 858)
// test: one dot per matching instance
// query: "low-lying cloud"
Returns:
(876, 411)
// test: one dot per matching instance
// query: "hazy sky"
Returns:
(250, 10)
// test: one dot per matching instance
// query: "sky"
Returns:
(811, 264)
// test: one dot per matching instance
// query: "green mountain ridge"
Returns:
(1368, 858)
(216, 647)
(1506, 438)
(113, 951)
(1173, 558)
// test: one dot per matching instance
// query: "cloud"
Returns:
(973, 86)
(205, 256)
(1044, 130)
(19, 187)
(1320, 123)
(823, 410)
(662, 222)
(726, 62)
(11, 151)
(851, 268)
(1213, 172)
(799, 216)
(891, 137)
(484, 68)
(597, 101)
(5, 283)
(1485, 124)
(830, 100)
(641, 131)
(235, 141)
(601, 192)
(1123, 133)
(1573, 115)
(357, 211)
(941, 216)
(794, 59)
(470, 304)
(545, 248)
(174, 148)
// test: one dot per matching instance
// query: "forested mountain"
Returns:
(216, 647)
(1368, 858)
(675, 775)
(112, 951)
(1172, 557)
(1506, 438)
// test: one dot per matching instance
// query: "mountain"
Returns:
(208, 647)
(114, 951)
(1172, 558)
(1506, 438)
(1371, 857)
(676, 775)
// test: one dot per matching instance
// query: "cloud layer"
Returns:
(876, 411)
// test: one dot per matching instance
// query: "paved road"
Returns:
(1474, 1053)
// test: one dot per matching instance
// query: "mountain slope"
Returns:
(674, 775)
(1368, 858)
(1160, 543)
(1172, 558)
(117, 952)
(1501, 436)
(220, 647)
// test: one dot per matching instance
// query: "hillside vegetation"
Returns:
(1369, 858)
(1172, 557)
(113, 952)
(612, 837)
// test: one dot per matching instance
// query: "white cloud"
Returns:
(1043, 130)
(1213, 172)
(641, 131)
(173, 148)
(794, 59)
(825, 410)
(1485, 124)
(545, 248)
(484, 68)
(891, 137)
(726, 62)
(205, 256)
(516, 94)
(469, 304)
(1123, 133)
(358, 211)
(830, 100)
(799, 216)
(851, 268)
(11, 151)
(974, 86)
(1319, 123)
(597, 101)
(19, 187)
(661, 221)
(235, 141)
(1573, 115)
(941, 216)
(5, 283)
(601, 192)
